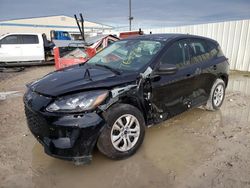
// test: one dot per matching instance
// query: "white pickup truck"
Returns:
(19, 47)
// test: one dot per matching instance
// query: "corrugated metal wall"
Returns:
(233, 36)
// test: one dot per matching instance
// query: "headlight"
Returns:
(78, 102)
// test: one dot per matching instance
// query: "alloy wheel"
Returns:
(218, 95)
(125, 132)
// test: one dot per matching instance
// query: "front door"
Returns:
(171, 93)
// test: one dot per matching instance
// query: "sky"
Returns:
(146, 13)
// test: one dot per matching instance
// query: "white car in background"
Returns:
(19, 47)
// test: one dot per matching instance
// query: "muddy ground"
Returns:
(195, 149)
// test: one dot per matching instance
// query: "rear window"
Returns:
(11, 39)
(30, 39)
(214, 50)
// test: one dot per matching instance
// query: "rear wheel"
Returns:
(217, 95)
(124, 132)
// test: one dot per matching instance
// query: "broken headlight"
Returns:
(78, 102)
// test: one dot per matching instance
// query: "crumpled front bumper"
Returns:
(65, 136)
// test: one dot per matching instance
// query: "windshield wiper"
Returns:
(108, 67)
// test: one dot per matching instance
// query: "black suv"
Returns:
(132, 84)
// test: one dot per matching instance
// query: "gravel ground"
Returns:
(195, 149)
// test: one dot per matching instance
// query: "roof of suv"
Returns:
(168, 36)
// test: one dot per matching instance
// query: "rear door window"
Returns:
(11, 39)
(200, 51)
(177, 54)
(30, 39)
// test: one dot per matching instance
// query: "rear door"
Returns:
(10, 48)
(32, 48)
(171, 94)
(202, 57)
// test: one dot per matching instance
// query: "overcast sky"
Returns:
(146, 13)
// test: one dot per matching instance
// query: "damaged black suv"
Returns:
(134, 83)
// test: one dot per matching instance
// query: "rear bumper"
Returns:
(69, 137)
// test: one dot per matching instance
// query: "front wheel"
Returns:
(217, 95)
(124, 132)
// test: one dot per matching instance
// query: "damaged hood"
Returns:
(78, 78)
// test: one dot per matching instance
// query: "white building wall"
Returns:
(23, 29)
(46, 24)
(233, 36)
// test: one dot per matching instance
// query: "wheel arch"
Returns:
(104, 142)
(224, 77)
(136, 103)
(133, 101)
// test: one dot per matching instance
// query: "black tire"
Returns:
(211, 105)
(104, 142)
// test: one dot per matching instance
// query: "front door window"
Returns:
(177, 54)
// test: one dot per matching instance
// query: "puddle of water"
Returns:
(50, 172)
(239, 82)
(184, 141)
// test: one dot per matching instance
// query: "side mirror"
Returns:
(166, 69)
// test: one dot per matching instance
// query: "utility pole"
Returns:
(130, 16)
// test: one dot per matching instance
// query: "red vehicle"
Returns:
(127, 34)
(76, 53)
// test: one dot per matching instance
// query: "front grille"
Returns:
(47, 134)
(37, 125)
(40, 127)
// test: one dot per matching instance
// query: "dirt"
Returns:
(195, 149)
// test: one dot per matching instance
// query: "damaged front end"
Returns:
(71, 134)
(138, 94)
(68, 136)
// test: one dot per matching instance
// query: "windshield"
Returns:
(127, 55)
